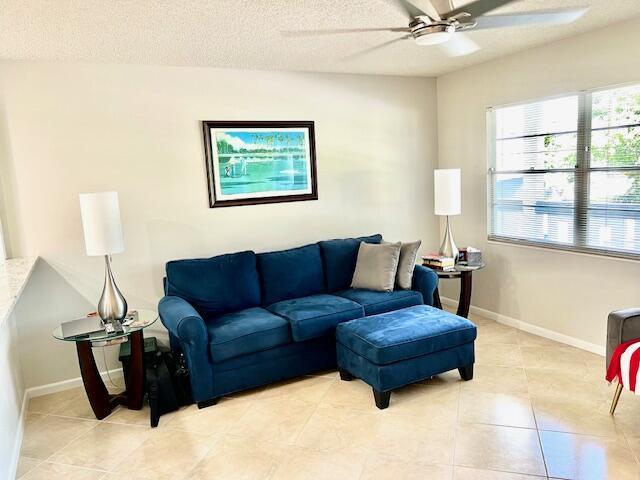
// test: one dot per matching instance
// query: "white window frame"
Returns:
(581, 170)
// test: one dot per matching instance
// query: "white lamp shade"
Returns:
(447, 191)
(101, 223)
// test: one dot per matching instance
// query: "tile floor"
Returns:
(535, 409)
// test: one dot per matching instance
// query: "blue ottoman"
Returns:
(397, 348)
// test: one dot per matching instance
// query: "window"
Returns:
(565, 172)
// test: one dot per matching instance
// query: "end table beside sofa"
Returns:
(464, 274)
(245, 320)
(101, 401)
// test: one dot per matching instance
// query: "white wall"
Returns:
(6, 178)
(47, 300)
(11, 378)
(136, 130)
(11, 397)
(567, 293)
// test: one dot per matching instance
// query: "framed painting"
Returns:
(249, 163)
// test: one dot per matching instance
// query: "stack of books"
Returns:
(438, 262)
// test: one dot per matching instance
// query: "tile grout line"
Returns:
(517, 344)
(81, 467)
(48, 459)
(97, 423)
(512, 472)
(455, 433)
(277, 464)
(149, 433)
(636, 456)
(535, 418)
(282, 460)
(40, 462)
(214, 444)
(332, 381)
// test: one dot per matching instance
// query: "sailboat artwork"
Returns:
(250, 163)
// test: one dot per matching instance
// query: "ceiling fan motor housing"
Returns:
(432, 33)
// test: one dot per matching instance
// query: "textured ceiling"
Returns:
(247, 33)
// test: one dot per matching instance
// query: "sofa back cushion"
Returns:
(339, 260)
(216, 285)
(291, 273)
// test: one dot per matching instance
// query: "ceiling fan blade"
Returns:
(376, 47)
(542, 17)
(477, 8)
(410, 9)
(314, 33)
(429, 9)
(459, 45)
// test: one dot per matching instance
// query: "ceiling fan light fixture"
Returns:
(434, 34)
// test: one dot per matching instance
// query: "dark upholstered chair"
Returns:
(622, 326)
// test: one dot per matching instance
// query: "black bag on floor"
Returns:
(151, 348)
(177, 366)
(168, 384)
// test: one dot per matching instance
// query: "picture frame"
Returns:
(259, 162)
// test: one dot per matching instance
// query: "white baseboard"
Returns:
(17, 443)
(33, 392)
(66, 384)
(498, 317)
(530, 328)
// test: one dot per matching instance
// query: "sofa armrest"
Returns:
(182, 320)
(425, 281)
(622, 326)
(186, 324)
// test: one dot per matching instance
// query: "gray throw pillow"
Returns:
(406, 264)
(376, 266)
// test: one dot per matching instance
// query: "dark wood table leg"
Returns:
(96, 391)
(465, 294)
(436, 299)
(101, 401)
(135, 379)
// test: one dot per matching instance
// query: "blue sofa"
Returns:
(244, 320)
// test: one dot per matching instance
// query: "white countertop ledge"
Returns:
(14, 275)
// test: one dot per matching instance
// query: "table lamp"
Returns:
(447, 200)
(103, 236)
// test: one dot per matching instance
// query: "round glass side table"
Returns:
(102, 402)
(464, 273)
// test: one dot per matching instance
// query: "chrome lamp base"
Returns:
(448, 247)
(112, 305)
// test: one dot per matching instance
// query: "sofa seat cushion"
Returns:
(247, 331)
(406, 333)
(375, 302)
(316, 315)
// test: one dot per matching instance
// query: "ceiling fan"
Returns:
(428, 27)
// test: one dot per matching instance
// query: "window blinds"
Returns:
(565, 172)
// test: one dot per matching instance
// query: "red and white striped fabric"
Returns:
(625, 365)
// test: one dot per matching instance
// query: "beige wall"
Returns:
(71, 129)
(566, 293)
(11, 397)
(136, 130)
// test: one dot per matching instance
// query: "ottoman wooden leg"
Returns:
(344, 375)
(616, 397)
(466, 373)
(381, 398)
